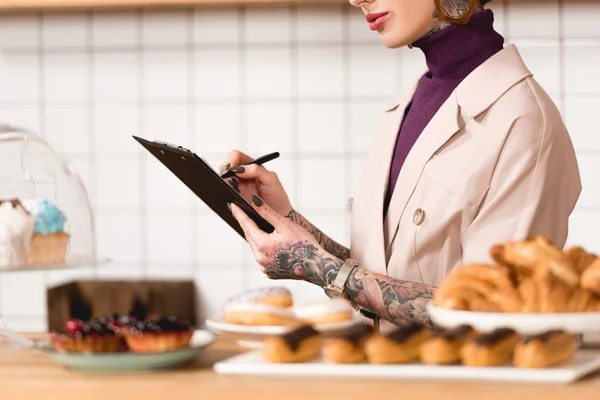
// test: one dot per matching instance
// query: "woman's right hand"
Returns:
(256, 180)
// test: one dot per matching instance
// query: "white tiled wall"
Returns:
(308, 82)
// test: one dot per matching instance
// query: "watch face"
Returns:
(332, 293)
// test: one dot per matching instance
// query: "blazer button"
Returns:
(418, 216)
(349, 204)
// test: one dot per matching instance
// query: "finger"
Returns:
(248, 226)
(265, 211)
(236, 157)
(234, 184)
(224, 167)
(256, 172)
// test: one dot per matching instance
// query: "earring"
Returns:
(410, 46)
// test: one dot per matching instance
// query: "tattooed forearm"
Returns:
(328, 244)
(394, 300)
(303, 261)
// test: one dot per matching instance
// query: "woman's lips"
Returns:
(376, 20)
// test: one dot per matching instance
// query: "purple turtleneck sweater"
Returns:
(451, 54)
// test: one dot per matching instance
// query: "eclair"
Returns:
(545, 350)
(489, 349)
(298, 345)
(347, 348)
(443, 347)
(397, 347)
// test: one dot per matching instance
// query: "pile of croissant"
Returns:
(530, 276)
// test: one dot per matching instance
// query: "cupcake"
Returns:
(95, 336)
(49, 243)
(157, 333)
(16, 229)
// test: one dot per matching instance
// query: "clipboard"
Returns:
(205, 182)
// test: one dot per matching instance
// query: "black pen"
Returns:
(259, 161)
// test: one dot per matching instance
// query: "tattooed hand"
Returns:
(290, 252)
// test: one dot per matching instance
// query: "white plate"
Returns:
(127, 361)
(256, 332)
(252, 363)
(526, 324)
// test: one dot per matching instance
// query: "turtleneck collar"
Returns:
(455, 51)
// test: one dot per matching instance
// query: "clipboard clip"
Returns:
(174, 146)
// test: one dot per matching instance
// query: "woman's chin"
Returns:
(393, 41)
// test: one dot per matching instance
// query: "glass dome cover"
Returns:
(32, 173)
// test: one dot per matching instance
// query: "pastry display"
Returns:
(347, 348)
(545, 350)
(590, 278)
(531, 276)
(298, 345)
(16, 230)
(122, 333)
(398, 346)
(443, 347)
(50, 242)
(276, 296)
(94, 337)
(324, 312)
(257, 314)
(156, 333)
(489, 349)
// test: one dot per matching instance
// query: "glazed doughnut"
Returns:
(443, 348)
(590, 279)
(347, 348)
(545, 295)
(276, 296)
(396, 347)
(580, 258)
(258, 315)
(490, 349)
(479, 287)
(536, 257)
(324, 312)
(545, 350)
(298, 345)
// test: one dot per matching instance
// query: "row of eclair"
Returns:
(413, 342)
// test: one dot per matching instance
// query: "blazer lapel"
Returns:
(443, 125)
(367, 240)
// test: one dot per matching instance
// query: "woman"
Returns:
(477, 154)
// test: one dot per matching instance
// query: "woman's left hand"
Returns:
(290, 252)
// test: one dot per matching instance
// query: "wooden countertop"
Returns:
(29, 374)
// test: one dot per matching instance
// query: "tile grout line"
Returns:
(348, 145)
(242, 15)
(142, 213)
(195, 264)
(93, 160)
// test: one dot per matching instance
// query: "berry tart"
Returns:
(157, 333)
(96, 336)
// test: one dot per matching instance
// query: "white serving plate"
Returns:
(252, 363)
(523, 323)
(257, 333)
(128, 361)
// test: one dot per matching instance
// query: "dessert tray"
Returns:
(252, 363)
(523, 323)
(129, 361)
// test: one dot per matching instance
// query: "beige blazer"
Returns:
(495, 164)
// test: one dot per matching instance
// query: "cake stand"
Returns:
(31, 169)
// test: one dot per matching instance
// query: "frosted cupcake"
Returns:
(49, 243)
(16, 229)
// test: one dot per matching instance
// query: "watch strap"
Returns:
(343, 274)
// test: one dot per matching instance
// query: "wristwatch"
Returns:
(337, 289)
